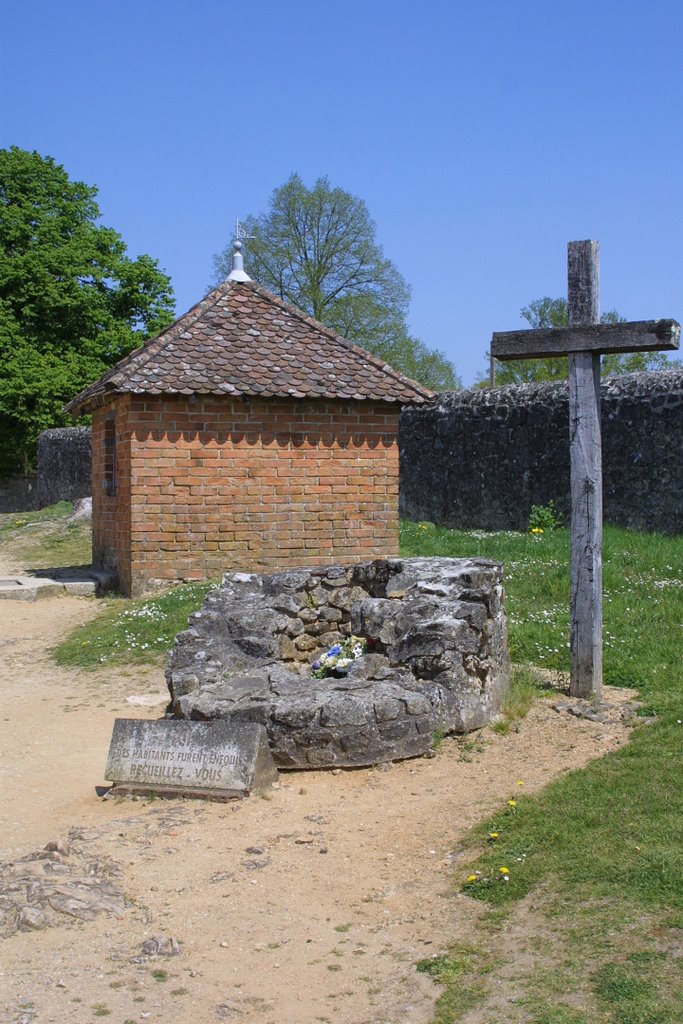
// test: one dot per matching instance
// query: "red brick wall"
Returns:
(218, 484)
(111, 505)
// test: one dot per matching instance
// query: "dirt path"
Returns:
(310, 906)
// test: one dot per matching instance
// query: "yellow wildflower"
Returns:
(471, 878)
(512, 803)
(493, 835)
(504, 871)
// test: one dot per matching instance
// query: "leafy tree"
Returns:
(71, 301)
(547, 312)
(316, 249)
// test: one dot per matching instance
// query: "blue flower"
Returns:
(316, 665)
(336, 649)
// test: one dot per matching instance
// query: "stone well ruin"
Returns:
(437, 657)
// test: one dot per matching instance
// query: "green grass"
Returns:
(45, 539)
(462, 972)
(126, 631)
(599, 850)
(526, 685)
(132, 631)
(10, 521)
(642, 598)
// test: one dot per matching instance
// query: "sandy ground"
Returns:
(312, 904)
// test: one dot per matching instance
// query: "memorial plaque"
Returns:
(217, 760)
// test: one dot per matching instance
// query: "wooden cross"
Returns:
(583, 341)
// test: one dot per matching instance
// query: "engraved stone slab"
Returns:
(219, 760)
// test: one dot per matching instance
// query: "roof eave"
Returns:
(84, 404)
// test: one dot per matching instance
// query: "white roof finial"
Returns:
(238, 272)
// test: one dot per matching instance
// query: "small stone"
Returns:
(308, 615)
(255, 849)
(590, 714)
(255, 865)
(305, 643)
(161, 945)
(60, 846)
(226, 1011)
(52, 868)
(32, 919)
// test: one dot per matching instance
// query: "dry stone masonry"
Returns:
(479, 459)
(64, 456)
(436, 659)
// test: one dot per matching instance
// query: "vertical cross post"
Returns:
(586, 477)
(583, 341)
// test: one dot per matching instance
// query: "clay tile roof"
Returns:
(242, 340)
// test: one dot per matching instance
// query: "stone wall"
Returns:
(436, 657)
(63, 465)
(18, 494)
(481, 458)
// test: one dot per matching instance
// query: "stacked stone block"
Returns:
(481, 458)
(437, 657)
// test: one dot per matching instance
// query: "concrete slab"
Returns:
(56, 583)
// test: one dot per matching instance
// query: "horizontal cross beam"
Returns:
(636, 336)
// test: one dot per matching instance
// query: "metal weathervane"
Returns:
(240, 233)
(238, 272)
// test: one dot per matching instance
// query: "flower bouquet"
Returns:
(336, 660)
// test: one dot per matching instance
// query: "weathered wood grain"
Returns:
(633, 336)
(583, 275)
(585, 456)
(585, 560)
(583, 341)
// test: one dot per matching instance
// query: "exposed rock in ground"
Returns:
(82, 511)
(437, 657)
(56, 886)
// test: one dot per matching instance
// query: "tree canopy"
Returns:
(316, 249)
(71, 301)
(547, 312)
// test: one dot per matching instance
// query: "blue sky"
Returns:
(482, 137)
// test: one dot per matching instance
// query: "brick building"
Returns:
(245, 436)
